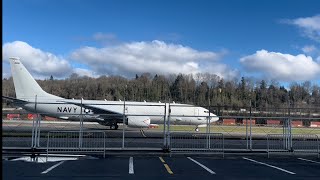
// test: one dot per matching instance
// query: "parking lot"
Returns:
(159, 167)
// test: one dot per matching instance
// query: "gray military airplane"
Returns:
(31, 97)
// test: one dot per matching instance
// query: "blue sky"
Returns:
(231, 38)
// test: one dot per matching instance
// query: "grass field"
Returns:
(242, 129)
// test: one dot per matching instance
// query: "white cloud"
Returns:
(125, 59)
(312, 51)
(309, 49)
(105, 39)
(284, 67)
(42, 64)
(309, 25)
(154, 57)
(312, 23)
(85, 72)
(104, 36)
(221, 70)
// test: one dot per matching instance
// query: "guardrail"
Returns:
(76, 141)
(197, 142)
(294, 143)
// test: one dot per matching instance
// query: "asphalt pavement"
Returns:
(163, 167)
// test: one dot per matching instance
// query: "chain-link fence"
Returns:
(293, 143)
(182, 142)
(240, 128)
(76, 141)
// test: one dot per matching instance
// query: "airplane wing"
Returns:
(101, 112)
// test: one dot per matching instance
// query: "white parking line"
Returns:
(289, 172)
(203, 166)
(52, 167)
(131, 171)
(309, 160)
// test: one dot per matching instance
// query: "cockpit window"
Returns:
(206, 111)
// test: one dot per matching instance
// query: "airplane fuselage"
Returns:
(179, 114)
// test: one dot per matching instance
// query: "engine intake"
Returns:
(138, 121)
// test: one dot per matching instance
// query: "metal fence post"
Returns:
(48, 145)
(268, 144)
(247, 137)
(209, 124)
(250, 126)
(81, 125)
(104, 144)
(39, 121)
(35, 126)
(164, 126)
(290, 135)
(318, 151)
(168, 133)
(123, 122)
(32, 136)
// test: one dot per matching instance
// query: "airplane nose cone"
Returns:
(213, 117)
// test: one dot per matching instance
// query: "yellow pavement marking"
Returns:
(166, 165)
(168, 168)
(161, 159)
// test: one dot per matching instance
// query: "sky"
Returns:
(261, 39)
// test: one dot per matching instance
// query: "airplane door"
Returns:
(196, 111)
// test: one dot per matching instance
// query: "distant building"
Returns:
(247, 121)
(13, 116)
(296, 123)
(31, 116)
(229, 121)
(273, 122)
(315, 124)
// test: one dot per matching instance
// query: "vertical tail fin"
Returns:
(25, 85)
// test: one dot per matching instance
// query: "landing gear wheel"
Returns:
(197, 129)
(114, 126)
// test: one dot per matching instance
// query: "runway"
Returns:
(15, 126)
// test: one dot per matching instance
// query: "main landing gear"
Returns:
(114, 126)
(197, 129)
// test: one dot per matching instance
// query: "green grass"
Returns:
(242, 129)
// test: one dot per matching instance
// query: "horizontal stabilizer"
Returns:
(13, 99)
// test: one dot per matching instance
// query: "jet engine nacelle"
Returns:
(138, 121)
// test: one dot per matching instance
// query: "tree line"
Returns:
(200, 89)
